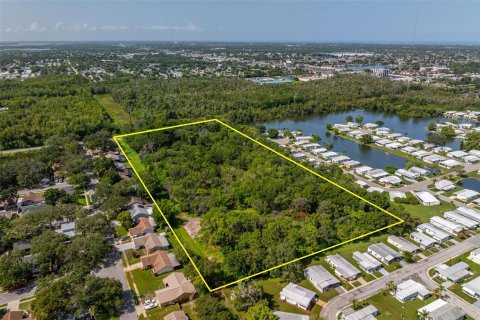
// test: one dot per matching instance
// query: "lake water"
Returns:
(413, 128)
(471, 183)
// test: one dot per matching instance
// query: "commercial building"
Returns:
(442, 310)
(423, 240)
(458, 218)
(321, 278)
(455, 273)
(447, 225)
(384, 253)
(403, 244)
(409, 290)
(426, 198)
(436, 233)
(342, 267)
(366, 261)
(298, 296)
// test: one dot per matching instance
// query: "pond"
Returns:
(411, 127)
(471, 183)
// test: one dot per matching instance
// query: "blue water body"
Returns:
(411, 127)
(471, 183)
(363, 68)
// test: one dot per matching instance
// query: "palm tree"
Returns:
(424, 315)
(438, 291)
(391, 286)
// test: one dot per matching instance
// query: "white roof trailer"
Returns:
(469, 213)
(458, 218)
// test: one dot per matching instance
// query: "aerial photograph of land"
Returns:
(239, 160)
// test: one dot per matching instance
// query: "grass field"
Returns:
(25, 303)
(392, 309)
(133, 256)
(121, 231)
(146, 282)
(132, 156)
(196, 247)
(159, 313)
(114, 109)
(426, 212)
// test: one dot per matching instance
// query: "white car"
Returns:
(150, 304)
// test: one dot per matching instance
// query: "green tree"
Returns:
(247, 294)
(53, 299)
(448, 132)
(79, 180)
(125, 219)
(14, 270)
(273, 133)
(359, 119)
(93, 224)
(101, 297)
(366, 139)
(472, 141)
(209, 308)
(47, 250)
(101, 164)
(260, 312)
(349, 118)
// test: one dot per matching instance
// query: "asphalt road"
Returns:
(113, 269)
(7, 297)
(418, 269)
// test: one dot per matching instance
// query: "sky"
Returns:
(381, 21)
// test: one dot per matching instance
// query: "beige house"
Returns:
(160, 262)
(178, 289)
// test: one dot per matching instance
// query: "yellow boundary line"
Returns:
(118, 137)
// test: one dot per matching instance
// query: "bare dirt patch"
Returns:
(192, 226)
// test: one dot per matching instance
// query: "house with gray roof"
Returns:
(298, 296)
(410, 289)
(442, 310)
(403, 244)
(455, 273)
(290, 316)
(384, 253)
(342, 267)
(367, 313)
(472, 288)
(366, 261)
(423, 240)
(458, 218)
(436, 233)
(321, 278)
(469, 213)
(138, 210)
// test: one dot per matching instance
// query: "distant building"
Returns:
(298, 296)
(442, 310)
(409, 290)
(321, 278)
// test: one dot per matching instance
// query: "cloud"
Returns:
(187, 28)
(35, 27)
(60, 25)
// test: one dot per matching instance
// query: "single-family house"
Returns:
(137, 211)
(342, 267)
(420, 171)
(396, 194)
(475, 256)
(367, 313)
(384, 253)
(178, 289)
(390, 180)
(442, 310)
(160, 262)
(454, 273)
(321, 278)
(449, 164)
(363, 169)
(472, 288)
(436, 233)
(151, 242)
(458, 218)
(366, 261)
(447, 225)
(176, 315)
(376, 174)
(144, 226)
(410, 289)
(457, 154)
(423, 240)
(407, 174)
(466, 195)
(426, 198)
(290, 316)
(298, 296)
(67, 229)
(469, 213)
(403, 244)
(444, 185)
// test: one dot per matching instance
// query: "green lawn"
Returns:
(132, 156)
(121, 231)
(196, 247)
(146, 282)
(159, 313)
(133, 256)
(272, 288)
(82, 201)
(426, 212)
(114, 109)
(392, 309)
(25, 303)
